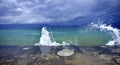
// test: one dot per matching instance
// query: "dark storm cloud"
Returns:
(7, 11)
(49, 11)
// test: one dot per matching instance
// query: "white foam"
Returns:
(110, 43)
(26, 48)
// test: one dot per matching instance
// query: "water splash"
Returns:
(46, 39)
(46, 42)
(115, 33)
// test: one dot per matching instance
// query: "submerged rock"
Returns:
(65, 52)
(105, 57)
(117, 60)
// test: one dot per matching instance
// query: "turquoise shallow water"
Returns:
(72, 35)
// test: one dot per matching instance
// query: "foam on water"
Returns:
(45, 39)
(115, 33)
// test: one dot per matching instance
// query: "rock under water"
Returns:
(65, 52)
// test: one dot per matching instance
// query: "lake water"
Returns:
(73, 35)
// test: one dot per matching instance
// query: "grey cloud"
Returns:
(7, 9)
(43, 11)
(65, 9)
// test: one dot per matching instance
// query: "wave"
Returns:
(115, 33)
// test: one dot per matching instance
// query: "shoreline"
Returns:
(90, 54)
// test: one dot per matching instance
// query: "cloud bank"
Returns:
(50, 11)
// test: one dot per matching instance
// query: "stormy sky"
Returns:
(59, 11)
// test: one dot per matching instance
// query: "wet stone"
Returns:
(89, 56)
(117, 60)
(105, 57)
(65, 52)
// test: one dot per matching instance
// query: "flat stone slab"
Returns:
(65, 52)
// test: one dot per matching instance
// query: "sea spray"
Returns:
(115, 33)
(46, 42)
(45, 39)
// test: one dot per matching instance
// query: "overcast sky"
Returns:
(53, 11)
